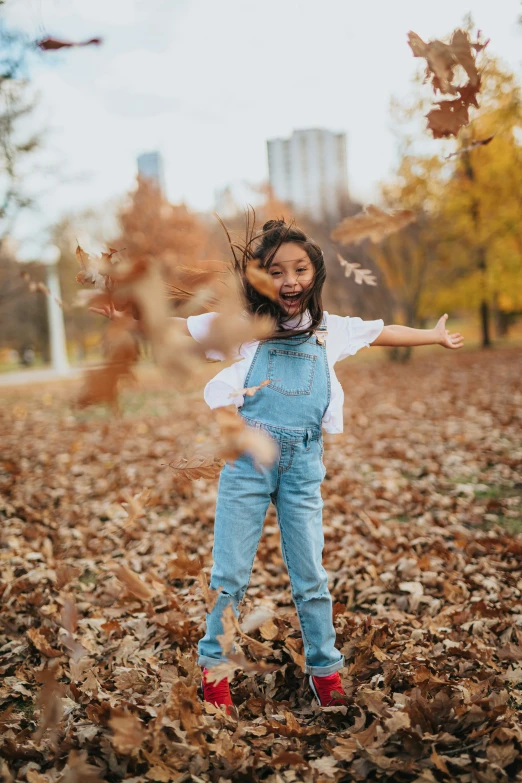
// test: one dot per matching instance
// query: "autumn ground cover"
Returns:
(102, 607)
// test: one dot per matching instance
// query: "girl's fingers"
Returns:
(107, 311)
(454, 341)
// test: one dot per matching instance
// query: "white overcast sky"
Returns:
(206, 82)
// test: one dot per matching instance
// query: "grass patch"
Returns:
(25, 706)
(512, 525)
(497, 493)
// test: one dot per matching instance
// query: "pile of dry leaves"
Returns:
(104, 564)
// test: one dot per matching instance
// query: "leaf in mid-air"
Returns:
(197, 467)
(448, 117)
(50, 43)
(360, 275)
(249, 391)
(260, 279)
(90, 271)
(374, 224)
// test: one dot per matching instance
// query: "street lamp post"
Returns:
(60, 364)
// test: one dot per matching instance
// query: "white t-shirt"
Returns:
(346, 336)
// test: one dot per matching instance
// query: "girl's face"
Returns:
(292, 273)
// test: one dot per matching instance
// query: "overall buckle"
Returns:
(321, 335)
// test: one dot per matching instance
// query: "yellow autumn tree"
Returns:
(410, 259)
(482, 202)
(465, 250)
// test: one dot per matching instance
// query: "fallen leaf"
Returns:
(32, 776)
(416, 590)
(65, 573)
(513, 674)
(398, 720)
(134, 505)
(289, 758)
(292, 727)
(128, 732)
(41, 643)
(132, 581)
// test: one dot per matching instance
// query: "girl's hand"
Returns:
(446, 339)
(108, 311)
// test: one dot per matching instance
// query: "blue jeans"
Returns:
(293, 484)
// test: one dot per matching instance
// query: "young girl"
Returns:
(303, 397)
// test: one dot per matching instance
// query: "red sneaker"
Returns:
(328, 689)
(217, 693)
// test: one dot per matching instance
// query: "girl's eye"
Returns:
(275, 273)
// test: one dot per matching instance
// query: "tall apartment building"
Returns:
(150, 166)
(309, 171)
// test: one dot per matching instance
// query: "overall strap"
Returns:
(321, 332)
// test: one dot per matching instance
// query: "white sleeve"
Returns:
(199, 327)
(220, 390)
(352, 334)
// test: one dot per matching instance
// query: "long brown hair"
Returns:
(262, 247)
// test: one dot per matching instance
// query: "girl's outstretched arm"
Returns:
(404, 336)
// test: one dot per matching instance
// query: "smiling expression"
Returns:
(292, 273)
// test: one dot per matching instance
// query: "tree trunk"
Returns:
(503, 322)
(401, 353)
(484, 321)
(481, 256)
(484, 304)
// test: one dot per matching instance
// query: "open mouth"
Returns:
(291, 298)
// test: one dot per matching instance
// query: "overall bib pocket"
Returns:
(291, 372)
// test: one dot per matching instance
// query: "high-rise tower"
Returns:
(309, 171)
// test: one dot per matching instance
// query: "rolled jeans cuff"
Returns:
(324, 671)
(207, 663)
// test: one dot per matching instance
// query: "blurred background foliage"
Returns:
(463, 254)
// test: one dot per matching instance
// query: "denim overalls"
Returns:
(290, 409)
